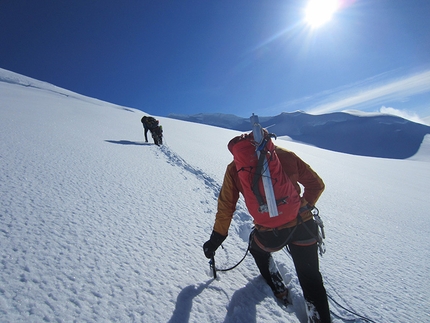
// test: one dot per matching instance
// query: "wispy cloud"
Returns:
(379, 93)
(403, 114)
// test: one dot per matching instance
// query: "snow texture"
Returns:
(98, 226)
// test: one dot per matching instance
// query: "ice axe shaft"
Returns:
(212, 265)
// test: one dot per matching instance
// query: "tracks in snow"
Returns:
(242, 221)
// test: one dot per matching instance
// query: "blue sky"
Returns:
(236, 56)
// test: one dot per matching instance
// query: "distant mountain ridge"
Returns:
(375, 135)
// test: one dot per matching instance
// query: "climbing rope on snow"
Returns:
(212, 263)
(364, 318)
(228, 269)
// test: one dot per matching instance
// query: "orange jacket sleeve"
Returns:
(227, 200)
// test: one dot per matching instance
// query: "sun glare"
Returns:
(319, 12)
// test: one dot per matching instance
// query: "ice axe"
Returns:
(212, 266)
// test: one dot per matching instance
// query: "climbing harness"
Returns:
(318, 238)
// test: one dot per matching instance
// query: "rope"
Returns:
(366, 319)
(228, 269)
(243, 258)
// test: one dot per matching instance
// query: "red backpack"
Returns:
(250, 169)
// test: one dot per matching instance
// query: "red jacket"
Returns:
(296, 169)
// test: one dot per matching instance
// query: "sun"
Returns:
(319, 12)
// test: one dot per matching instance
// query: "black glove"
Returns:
(212, 244)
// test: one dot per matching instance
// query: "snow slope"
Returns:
(97, 226)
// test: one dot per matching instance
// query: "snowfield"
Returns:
(98, 226)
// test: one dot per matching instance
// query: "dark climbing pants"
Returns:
(145, 132)
(305, 258)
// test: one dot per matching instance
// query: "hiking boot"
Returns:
(280, 290)
(278, 285)
(282, 294)
(283, 297)
(311, 311)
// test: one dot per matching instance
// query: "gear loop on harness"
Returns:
(320, 236)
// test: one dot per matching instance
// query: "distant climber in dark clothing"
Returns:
(151, 124)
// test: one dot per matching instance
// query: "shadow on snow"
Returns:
(241, 308)
(128, 142)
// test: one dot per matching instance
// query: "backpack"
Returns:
(150, 122)
(250, 169)
(158, 130)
